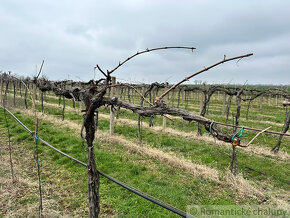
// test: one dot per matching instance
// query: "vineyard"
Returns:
(148, 149)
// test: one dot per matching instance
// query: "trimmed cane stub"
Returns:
(236, 141)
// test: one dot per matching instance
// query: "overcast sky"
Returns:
(73, 36)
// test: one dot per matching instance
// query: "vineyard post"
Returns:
(128, 93)
(186, 95)
(172, 97)
(228, 107)
(63, 108)
(14, 93)
(20, 89)
(238, 103)
(224, 103)
(201, 101)
(182, 96)
(178, 97)
(164, 118)
(207, 107)
(25, 98)
(112, 118)
(248, 108)
(132, 93)
(140, 123)
(73, 99)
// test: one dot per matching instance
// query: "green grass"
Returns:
(200, 152)
(157, 178)
(189, 127)
(263, 169)
(149, 175)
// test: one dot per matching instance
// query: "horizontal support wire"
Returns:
(253, 129)
(135, 191)
(28, 130)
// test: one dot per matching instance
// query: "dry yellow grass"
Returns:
(20, 198)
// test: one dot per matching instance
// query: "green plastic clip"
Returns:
(241, 130)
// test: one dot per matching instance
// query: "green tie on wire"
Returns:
(241, 134)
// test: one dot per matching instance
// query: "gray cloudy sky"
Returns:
(73, 36)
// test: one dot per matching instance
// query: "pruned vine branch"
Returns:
(162, 109)
(146, 51)
(199, 72)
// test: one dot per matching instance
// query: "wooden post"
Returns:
(14, 93)
(201, 102)
(238, 103)
(182, 96)
(186, 95)
(63, 108)
(248, 108)
(132, 93)
(228, 107)
(129, 99)
(112, 118)
(178, 97)
(172, 97)
(25, 98)
(164, 123)
(224, 104)
(164, 118)
(112, 121)
(139, 129)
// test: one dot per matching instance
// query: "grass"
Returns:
(200, 152)
(153, 176)
(149, 175)
(266, 140)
